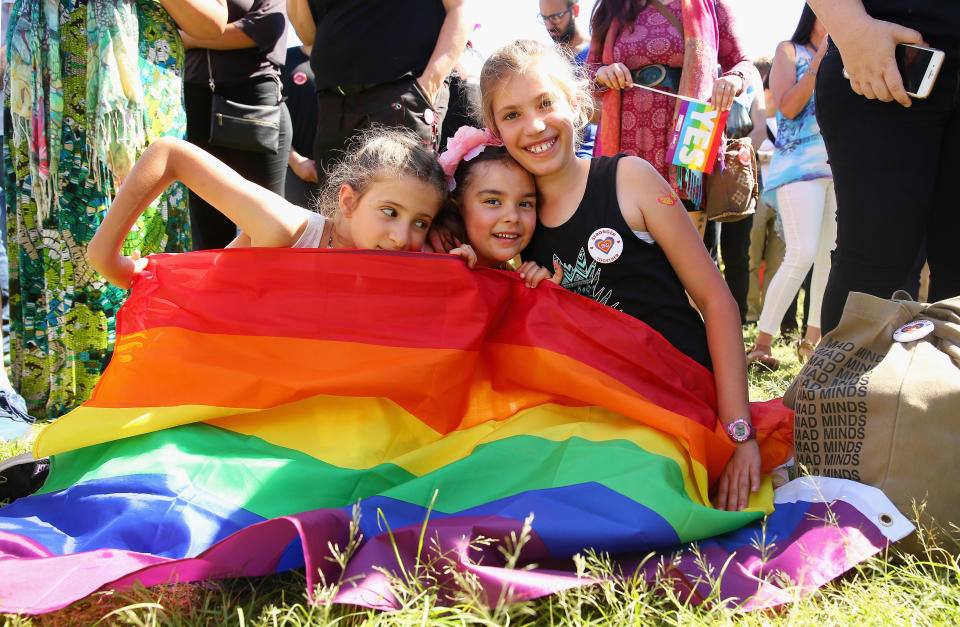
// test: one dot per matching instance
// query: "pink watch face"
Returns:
(739, 430)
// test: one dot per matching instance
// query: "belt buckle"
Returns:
(656, 71)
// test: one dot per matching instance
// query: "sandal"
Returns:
(760, 356)
(805, 350)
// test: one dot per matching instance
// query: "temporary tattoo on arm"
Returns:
(669, 200)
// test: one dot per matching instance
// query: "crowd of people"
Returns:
(563, 170)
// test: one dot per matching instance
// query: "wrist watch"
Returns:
(740, 431)
(741, 76)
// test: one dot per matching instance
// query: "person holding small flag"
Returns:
(672, 46)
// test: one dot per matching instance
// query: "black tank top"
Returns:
(603, 259)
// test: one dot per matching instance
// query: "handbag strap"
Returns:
(665, 12)
(210, 73)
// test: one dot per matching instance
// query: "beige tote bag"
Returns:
(879, 403)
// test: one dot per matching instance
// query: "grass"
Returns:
(894, 588)
(9, 449)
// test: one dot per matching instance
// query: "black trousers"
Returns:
(711, 239)
(735, 251)
(299, 192)
(399, 103)
(210, 228)
(895, 172)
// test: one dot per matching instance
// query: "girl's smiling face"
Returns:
(499, 209)
(534, 119)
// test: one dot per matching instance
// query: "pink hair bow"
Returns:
(466, 143)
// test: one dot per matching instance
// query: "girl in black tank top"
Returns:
(587, 214)
(603, 259)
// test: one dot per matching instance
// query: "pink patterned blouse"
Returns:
(646, 117)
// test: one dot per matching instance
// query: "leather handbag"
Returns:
(254, 128)
(732, 192)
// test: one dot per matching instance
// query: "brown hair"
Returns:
(464, 172)
(763, 65)
(379, 153)
(604, 12)
(450, 216)
(524, 56)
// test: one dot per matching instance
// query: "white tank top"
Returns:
(312, 232)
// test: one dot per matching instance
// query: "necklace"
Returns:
(330, 239)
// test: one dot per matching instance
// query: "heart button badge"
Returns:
(605, 245)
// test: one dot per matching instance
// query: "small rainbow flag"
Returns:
(696, 136)
(258, 399)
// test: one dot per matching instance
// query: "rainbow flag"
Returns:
(259, 401)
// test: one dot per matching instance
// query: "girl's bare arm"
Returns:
(266, 218)
(649, 204)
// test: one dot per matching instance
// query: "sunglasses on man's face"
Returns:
(553, 18)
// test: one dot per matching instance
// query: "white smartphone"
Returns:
(918, 67)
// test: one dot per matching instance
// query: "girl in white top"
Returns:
(383, 195)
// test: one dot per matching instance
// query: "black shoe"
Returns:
(21, 476)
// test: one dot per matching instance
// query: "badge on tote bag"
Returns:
(913, 331)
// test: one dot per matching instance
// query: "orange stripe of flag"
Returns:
(446, 389)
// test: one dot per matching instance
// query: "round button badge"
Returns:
(605, 245)
(913, 331)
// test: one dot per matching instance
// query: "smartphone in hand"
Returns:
(918, 67)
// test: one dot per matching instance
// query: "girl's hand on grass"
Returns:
(739, 478)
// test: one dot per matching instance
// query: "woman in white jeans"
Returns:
(801, 179)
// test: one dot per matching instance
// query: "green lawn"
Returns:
(890, 589)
